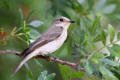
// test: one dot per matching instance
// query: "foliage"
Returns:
(44, 76)
(92, 40)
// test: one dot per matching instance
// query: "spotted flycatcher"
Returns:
(48, 42)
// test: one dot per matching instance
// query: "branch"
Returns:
(70, 64)
(10, 52)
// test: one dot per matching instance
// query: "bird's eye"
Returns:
(61, 19)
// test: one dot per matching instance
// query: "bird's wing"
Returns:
(50, 35)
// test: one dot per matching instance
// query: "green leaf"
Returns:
(118, 36)
(51, 76)
(111, 32)
(78, 36)
(91, 4)
(30, 74)
(109, 8)
(79, 8)
(34, 33)
(77, 74)
(36, 23)
(38, 63)
(100, 4)
(95, 60)
(21, 15)
(104, 36)
(99, 55)
(44, 76)
(88, 68)
(115, 50)
(96, 71)
(65, 71)
(6, 4)
(79, 67)
(95, 25)
(27, 29)
(24, 24)
(110, 62)
(30, 14)
(108, 75)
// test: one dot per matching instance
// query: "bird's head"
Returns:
(62, 21)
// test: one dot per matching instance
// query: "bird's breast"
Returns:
(54, 45)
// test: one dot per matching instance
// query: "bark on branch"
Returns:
(57, 60)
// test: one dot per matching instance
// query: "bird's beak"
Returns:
(72, 21)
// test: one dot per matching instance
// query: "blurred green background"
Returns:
(91, 17)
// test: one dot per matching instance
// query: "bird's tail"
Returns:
(25, 59)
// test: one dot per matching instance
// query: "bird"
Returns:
(50, 41)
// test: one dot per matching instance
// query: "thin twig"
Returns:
(9, 52)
